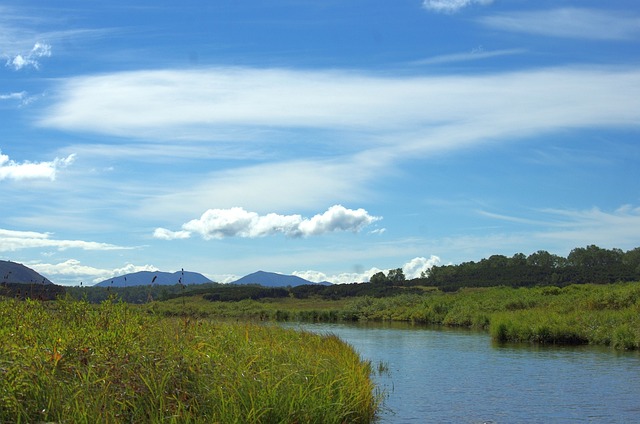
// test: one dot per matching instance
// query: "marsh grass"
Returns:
(284, 309)
(579, 314)
(69, 361)
(607, 314)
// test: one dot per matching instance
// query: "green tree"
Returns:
(544, 259)
(593, 256)
(378, 278)
(396, 276)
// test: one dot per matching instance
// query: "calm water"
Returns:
(441, 376)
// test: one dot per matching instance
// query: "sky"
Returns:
(326, 139)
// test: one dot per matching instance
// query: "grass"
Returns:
(68, 361)
(286, 309)
(607, 314)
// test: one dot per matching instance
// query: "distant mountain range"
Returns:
(272, 279)
(12, 272)
(154, 277)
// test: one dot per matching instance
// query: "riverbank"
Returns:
(68, 361)
(607, 314)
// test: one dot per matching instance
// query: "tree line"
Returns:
(583, 265)
(590, 264)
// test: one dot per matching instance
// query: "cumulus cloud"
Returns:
(31, 58)
(411, 269)
(12, 240)
(237, 222)
(416, 266)
(569, 23)
(72, 271)
(451, 6)
(11, 170)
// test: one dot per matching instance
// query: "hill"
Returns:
(15, 273)
(272, 279)
(156, 277)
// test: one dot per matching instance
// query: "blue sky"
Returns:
(327, 139)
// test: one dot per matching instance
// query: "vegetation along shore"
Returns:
(69, 361)
(202, 353)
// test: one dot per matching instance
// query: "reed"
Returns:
(607, 314)
(69, 361)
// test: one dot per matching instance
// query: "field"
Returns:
(69, 361)
(606, 314)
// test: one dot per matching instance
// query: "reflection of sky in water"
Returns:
(461, 377)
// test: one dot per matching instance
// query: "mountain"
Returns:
(156, 277)
(13, 272)
(272, 279)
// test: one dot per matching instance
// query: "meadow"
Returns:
(601, 314)
(71, 361)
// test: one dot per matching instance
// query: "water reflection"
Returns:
(460, 376)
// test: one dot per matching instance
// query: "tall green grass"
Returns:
(579, 314)
(68, 361)
(607, 314)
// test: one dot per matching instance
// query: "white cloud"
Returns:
(555, 230)
(72, 272)
(441, 112)
(278, 185)
(31, 58)
(14, 96)
(409, 117)
(477, 53)
(11, 170)
(237, 222)
(416, 266)
(452, 6)
(336, 218)
(12, 240)
(21, 96)
(411, 269)
(569, 23)
(619, 228)
(164, 234)
(340, 278)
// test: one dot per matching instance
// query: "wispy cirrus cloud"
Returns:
(237, 222)
(452, 6)
(177, 104)
(12, 170)
(14, 96)
(31, 58)
(580, 23)
(22, 97)
(409, 117)
(13, 240)
(572, 228)
(477, 53)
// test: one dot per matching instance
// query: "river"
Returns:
(459, 376)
